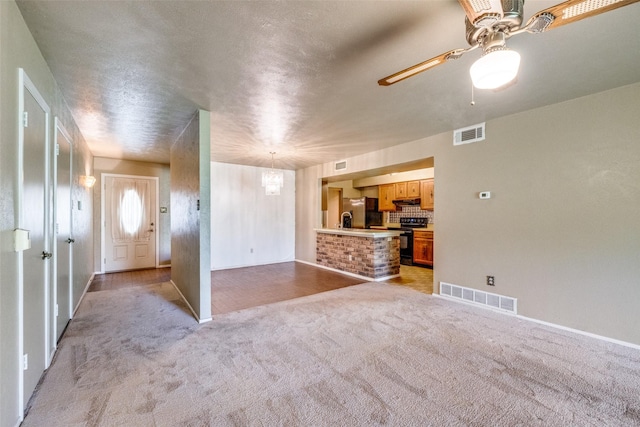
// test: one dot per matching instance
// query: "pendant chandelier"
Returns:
(272, 180)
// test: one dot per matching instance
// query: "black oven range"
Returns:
(406, 238)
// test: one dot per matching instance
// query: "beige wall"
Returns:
(415, 175)
(560, 232)
(347, 189)
(19, 50)
(127, 167)
(190, 227)
(248, 227)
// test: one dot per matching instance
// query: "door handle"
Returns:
(46, 254)
(70, 240)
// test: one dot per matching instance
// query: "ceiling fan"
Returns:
(489, 23)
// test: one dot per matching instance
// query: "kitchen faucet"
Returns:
(342, 218)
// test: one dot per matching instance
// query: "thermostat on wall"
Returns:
(485, 195)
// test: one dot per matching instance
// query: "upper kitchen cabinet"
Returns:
(426, 194)
(413, 189)
(386, 195)
(401, 190)
(408, 190)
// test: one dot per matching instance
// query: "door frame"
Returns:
(330, 205)
(25, 83)
(103, 194)
(54, 273)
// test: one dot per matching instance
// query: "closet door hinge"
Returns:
(25, 119)
(57, 149)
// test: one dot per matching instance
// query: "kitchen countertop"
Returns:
(359, 232)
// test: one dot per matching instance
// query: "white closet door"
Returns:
(64, 234)
(37, 259)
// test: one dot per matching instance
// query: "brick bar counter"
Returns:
(374, 254)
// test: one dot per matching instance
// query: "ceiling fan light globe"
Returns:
(495, 69)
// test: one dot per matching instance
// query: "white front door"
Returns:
(64, 234)
(129, 222)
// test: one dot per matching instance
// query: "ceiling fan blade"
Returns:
(423, 66)
(482, 13)
(571, 11)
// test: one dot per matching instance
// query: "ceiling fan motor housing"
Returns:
(510, 20)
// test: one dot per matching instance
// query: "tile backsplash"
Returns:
(413, 212)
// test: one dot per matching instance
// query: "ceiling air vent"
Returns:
(469, 134)
(340, 166)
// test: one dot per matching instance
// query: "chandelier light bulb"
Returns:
(495, 68)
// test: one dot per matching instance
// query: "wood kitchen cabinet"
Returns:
(407, 190)
(401, 190)
(386, 195)
(426, 194)
(413, 189)
(423, 247)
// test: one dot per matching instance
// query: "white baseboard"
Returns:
(84, 292)
(163, 266)
(385, 278)
(232, 267)
(542, 322)
(578, 331)
(198, 319)
(368, 279)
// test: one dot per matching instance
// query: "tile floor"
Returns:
(418, 278)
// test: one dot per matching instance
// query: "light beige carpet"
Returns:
(367, 355)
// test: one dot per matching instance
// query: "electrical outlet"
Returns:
(490, 281)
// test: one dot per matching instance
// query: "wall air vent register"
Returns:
(340, 166)
(469, 134)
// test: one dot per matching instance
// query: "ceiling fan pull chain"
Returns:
(473, 102)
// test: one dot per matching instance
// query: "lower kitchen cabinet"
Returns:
(423, 247)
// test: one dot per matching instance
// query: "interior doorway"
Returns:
(129, 222)
(334, 207)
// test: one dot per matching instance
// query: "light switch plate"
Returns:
(485, 195)
(21, 240)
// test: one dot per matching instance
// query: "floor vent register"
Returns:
(481, 298)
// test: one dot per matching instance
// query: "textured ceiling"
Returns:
(300, 77)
